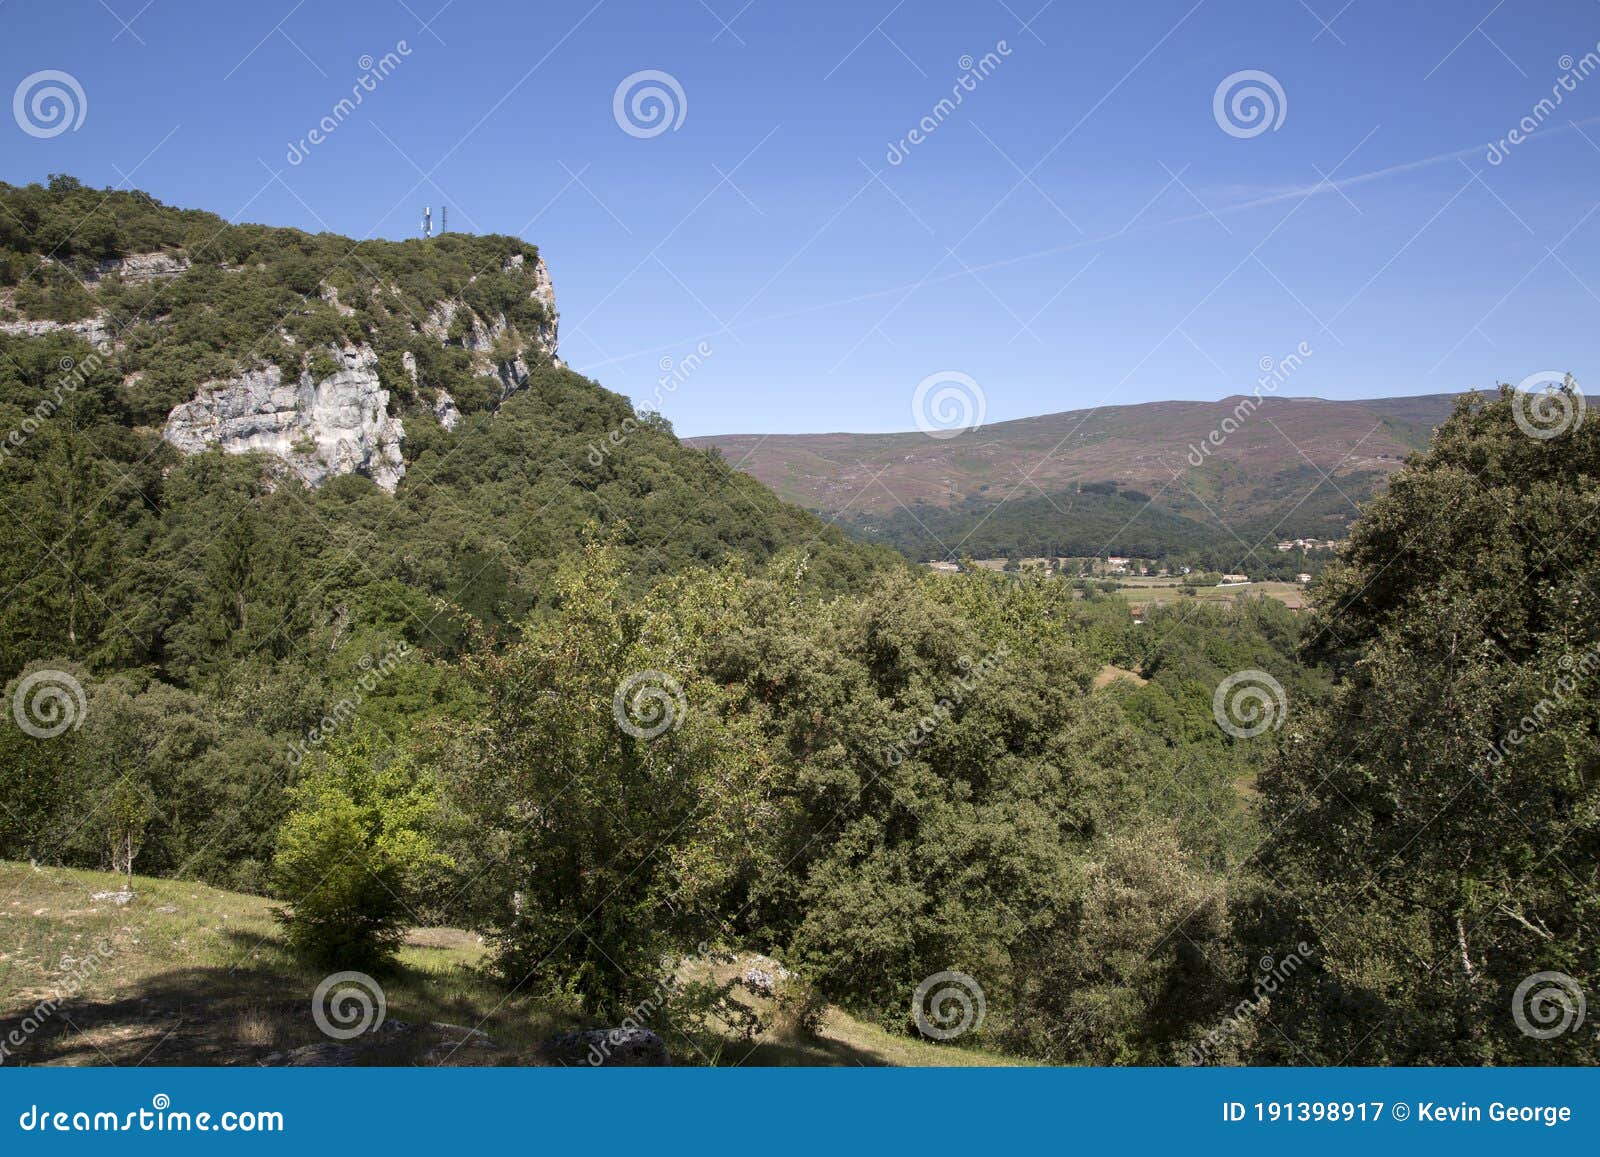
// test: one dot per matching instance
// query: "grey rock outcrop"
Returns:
(93, 330)
(444, 408)
(544, 291)
(483, 334)
(763, 975)
(513, 376)
(134, 269)
(339, 425)
(330, 294)
(138, 268)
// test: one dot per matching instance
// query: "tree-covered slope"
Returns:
(1227, 475)
(117, 551)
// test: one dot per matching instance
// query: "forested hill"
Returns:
(127, 326)
(1156, 479)
(324, 579)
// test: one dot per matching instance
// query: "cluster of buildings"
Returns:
(1289, 544)
(1115, 564)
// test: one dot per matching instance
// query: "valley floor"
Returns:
(184, 974)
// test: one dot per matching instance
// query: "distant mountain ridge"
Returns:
(1148, 479)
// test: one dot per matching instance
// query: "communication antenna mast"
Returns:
(444, 218)
(427, 220)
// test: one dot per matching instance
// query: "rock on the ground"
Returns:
(120, 897)
(454, 1044)
(392, 1042)
(322, 1054)
(763, 975)
(607, 1048)
(760, 981)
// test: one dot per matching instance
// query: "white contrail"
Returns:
(1300, 193)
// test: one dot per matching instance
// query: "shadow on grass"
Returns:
(246, 1013)
(818, 1052)
(254, 1006)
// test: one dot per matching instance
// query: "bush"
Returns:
(344, 895)
(352, 853)
(799, 1009)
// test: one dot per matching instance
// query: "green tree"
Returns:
(353, 853)
(1436, 833)
(949, 774)
(613, 789)
(1129, 972)
(127, 813)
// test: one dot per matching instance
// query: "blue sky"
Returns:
(1080, 231)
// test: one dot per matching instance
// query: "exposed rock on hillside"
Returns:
(138, 268)
(342, 424)
(248, 367)
(485, 337)
(339, 425)
(544, 291)
(93, 330)
(444, 408)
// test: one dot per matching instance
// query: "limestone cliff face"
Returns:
(141, 268)
(341, 424)
(95, 331)
(483, 337)
(544, 290)
(338, 425)
(134, 269)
